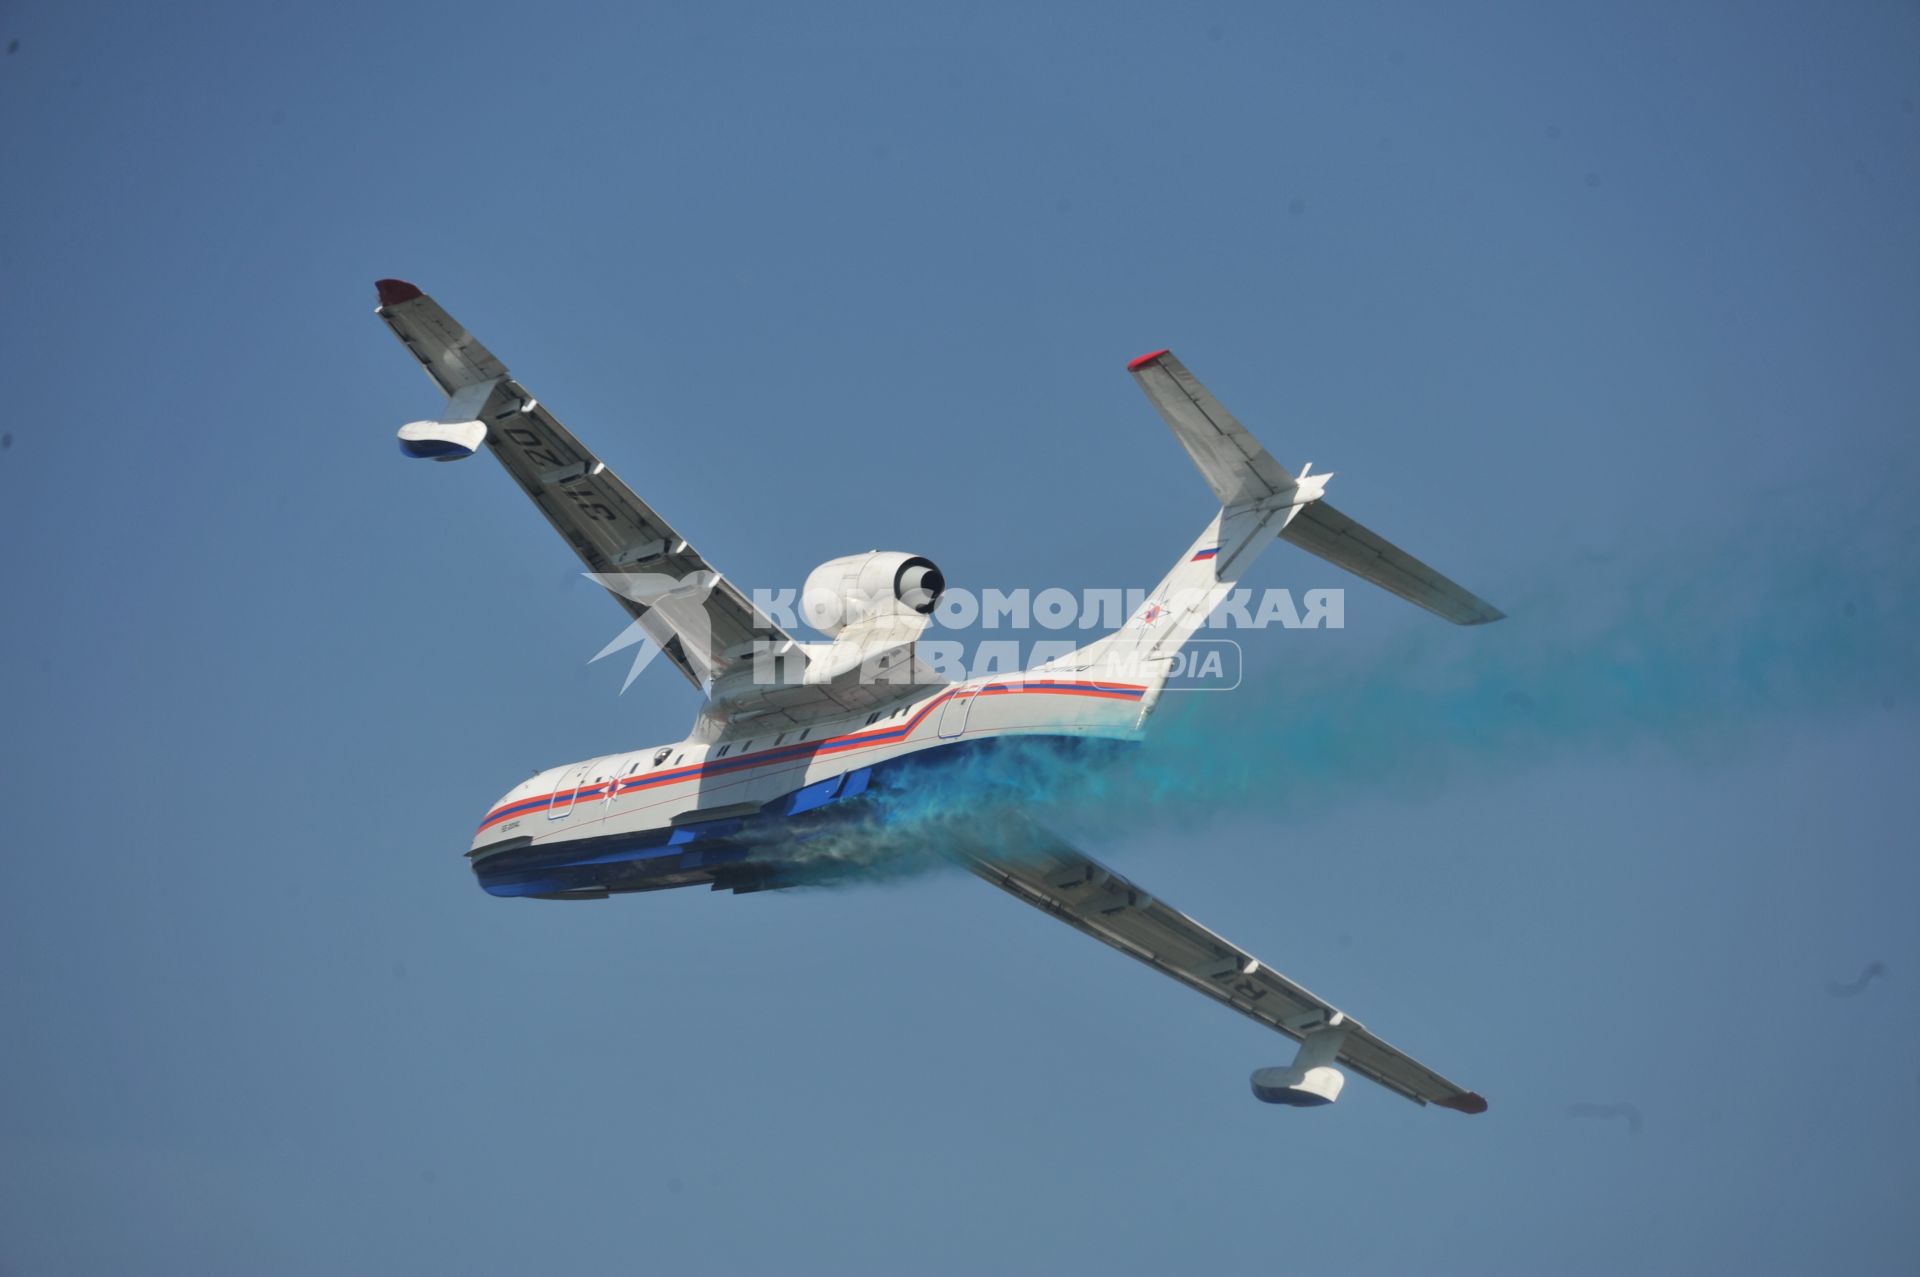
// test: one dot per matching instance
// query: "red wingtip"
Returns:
(1136, 365)
(395, 291)
(1466, 1102)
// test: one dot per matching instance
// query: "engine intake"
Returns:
(861, 587)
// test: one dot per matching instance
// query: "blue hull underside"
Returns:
(785, 843)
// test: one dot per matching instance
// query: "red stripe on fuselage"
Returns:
(788, 753)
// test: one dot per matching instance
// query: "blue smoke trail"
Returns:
(1682, 641)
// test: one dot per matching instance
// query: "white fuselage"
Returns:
(630, 795)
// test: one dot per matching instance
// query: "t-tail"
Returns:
(1260, 500)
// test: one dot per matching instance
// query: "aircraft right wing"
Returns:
(1057, 879)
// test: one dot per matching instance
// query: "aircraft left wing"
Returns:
(1057, 879)
(700, 620)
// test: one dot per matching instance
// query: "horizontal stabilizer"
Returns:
(1323, 530)
(1244, 475)
(1233, 462)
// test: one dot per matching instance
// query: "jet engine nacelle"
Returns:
(862, 587)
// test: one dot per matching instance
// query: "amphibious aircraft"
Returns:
(798, 737)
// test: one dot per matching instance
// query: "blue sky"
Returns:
(1609, 312)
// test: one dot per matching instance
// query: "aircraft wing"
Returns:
(1054, 877)
(700, 620)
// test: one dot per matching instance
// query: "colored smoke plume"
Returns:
(1682, 640)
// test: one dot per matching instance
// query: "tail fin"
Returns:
(1245, 477)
